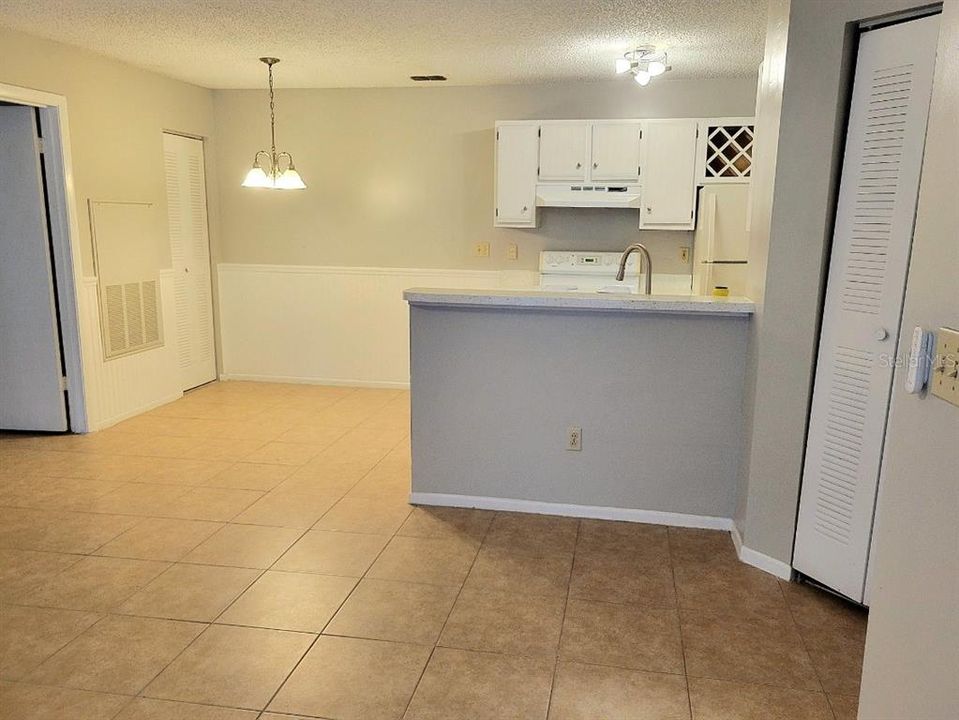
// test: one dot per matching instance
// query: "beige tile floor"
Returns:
(248, 551)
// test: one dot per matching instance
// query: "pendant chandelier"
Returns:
(275, 176)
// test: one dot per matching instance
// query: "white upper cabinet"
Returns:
(563, 151)
(614, 153)
(516, 154)
(664, 160)
(668, 158)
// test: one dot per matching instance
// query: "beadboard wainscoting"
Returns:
(124, 386)
(328, 325)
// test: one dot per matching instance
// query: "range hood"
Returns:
(580, 195)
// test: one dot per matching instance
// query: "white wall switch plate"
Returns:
(944, 382)
(512, 251)
(481, 249)
(574, 438)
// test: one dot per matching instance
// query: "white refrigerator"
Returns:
(721, 243)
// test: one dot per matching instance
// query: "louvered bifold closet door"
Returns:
(190, 248)
(864, 295)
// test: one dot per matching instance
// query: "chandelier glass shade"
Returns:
(277, 169)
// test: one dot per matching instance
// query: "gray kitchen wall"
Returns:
(495, 391)
(404, 177)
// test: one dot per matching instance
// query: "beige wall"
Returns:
(912, 647)
(793, 218)
(117, 114)
(403, 177)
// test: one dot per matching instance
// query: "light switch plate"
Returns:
(481, 249)
(944, 382)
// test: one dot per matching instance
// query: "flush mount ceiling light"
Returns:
(273, 176)
(644, 63)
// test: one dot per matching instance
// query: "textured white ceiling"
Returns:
(380, 43)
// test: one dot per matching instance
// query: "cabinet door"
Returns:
(669, 174)
(516, 176)
(615, 152)
(562, 152)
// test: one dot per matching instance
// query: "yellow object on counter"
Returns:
(720, 291)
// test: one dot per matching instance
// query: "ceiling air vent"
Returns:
(428, 78)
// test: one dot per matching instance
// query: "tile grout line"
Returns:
(802, 640)
(459, 592)
(679, 620)
(562, 626)
(348, 595)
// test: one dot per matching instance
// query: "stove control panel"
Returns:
(583, 263)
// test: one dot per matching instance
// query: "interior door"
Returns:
(562, 152)
(864, 295)
(190, 249)
(614, 154)
(669, 173)
(31, 394)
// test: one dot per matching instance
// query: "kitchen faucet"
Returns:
(649, 265)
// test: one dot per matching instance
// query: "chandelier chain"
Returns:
(272, 116)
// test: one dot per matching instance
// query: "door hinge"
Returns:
(539, 132)
(639, 170)
(697, 131)
(63, 383)
(690, 214)
(40, 145)
(497, 134)
(640, 134)
(497, 212)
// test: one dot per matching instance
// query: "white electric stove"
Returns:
(566, 271)
(583, 271)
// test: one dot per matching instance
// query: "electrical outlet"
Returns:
(574, 438)
(944, 382)
(512, 251)
(481, 249)
(684, 254)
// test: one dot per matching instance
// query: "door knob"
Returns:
(595, 165)
(525, 209)
(880, 333)
(579, 165)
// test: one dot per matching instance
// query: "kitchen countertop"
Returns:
(535, 299)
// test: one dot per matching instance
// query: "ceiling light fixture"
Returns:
(274, 176)
(644, 63)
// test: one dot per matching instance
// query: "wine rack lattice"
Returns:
(729, 151)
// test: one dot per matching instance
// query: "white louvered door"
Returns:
(190, 248)
(864, 295)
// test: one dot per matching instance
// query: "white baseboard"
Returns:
(339, 382)
(758, 559)
(596, 512)
(108, 422)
